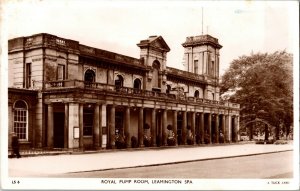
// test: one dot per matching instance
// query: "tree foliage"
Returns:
(263, 86)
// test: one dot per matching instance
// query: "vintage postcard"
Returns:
(149, 95)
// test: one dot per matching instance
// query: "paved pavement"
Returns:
(59, 164)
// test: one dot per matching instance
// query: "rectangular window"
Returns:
(212, 67)
(60, 72)
(208, 63)
(28, 75)
(196, 66)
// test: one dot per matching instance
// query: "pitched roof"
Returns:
(155, 42)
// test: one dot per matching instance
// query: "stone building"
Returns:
(63, 94)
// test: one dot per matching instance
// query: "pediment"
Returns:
(160, 43)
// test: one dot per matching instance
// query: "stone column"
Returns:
(96, 126)
(223, 127)
(175, 126)
(127, 127)
(226, 132)
(202, 128)
(236, 135)
(238, 128)
(197, 129)
(164, 128)
(50, 127)
(100, 126)
(229, 128)
(193, 126)
(66, 126)
(103, 113)
(217, 128)
(141, 127)
(159, 128)
(111, 126)
(153, 127)
(81, 144)
(73, 123)
(209, 128)
(184, 127)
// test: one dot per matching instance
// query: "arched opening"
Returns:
(137, 84)
(155, 74)
(261, 130)
(89, 76)
(168, 89)
(21, 120)
(119, 81)
(196, 94)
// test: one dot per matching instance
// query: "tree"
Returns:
(263, 86)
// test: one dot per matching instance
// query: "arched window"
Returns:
(89, 76)
(196, 94)
(21, 120)
(119, 81)
(137, 84)
(156, 67)
(168, 89)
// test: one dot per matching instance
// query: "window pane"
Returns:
(20, 120)
(60, 72)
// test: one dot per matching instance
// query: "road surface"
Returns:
(273, 165)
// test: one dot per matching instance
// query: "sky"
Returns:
(242, 27)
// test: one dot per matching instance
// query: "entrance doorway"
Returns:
(88, 121)
(119, 121)
(58, 134)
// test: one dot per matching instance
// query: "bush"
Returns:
(221, 138)
(206, 138)
(190, 140)
(120, 142)
(120, 145)
(281, 142)
(171, 141)
(260, 142)
(265, 142)
(147, 141)
(134, 142)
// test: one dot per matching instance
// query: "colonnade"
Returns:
(211, 124)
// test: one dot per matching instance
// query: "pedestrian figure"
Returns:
(221, 138)
(15, 145)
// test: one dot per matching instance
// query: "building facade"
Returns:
(63, 94)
